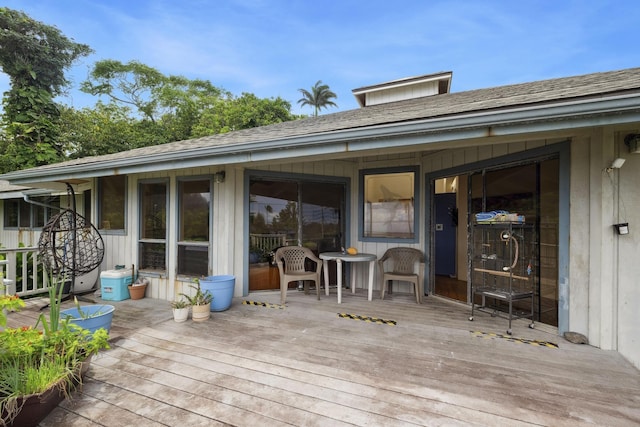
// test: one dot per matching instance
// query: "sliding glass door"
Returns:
(286, 212)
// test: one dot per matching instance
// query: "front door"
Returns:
(286, 212)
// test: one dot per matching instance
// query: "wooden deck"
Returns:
(304, 365)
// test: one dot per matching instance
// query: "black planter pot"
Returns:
(36, 407)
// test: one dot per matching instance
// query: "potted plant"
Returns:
(38, 368)
(91, 317)
(200, 303)
(180, 310)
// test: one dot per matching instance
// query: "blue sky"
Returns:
(274, 47)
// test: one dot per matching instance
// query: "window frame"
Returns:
(184, 243)
(363, 173)
(35, 209)
(99, 212)
(153, 241)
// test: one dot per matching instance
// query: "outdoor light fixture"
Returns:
(616, 164)
(633, 142)
(622, 228)
(218, 177)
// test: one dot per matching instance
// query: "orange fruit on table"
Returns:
(352, 251)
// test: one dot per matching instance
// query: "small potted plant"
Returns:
(180, 310)
(200, 303)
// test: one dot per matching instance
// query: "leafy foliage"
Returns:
(32, 361)
(35, 56)
(200, 297)
(104, 129)
(247, 111)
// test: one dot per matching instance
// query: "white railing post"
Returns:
(29, 281)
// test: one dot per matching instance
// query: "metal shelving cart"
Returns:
(503, 270)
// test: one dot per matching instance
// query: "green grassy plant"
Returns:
(33, 360)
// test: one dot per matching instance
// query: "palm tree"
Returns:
(319, 97)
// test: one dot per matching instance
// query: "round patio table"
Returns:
(339, 258)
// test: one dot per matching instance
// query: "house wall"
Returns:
(602, 288)
(628, 295)
(625, 292)
(603, 267)
(602, 291)
(399, 93)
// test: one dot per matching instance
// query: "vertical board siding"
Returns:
(227, 247)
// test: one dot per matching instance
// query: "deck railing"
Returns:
(266, 242)
(24, 272)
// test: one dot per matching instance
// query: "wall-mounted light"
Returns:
(218, 177)
(616, 164)
(632, 141)
(622, 228)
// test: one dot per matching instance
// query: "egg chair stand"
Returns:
(70, 246)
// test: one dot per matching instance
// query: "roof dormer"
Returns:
(402, 89)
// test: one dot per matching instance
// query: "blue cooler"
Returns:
(113, 284)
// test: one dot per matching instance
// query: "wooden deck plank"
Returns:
(305, 365)
(305, 400)
(503, 393)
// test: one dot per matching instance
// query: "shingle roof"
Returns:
(425, 108)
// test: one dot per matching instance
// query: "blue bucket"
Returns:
(95, 316)
(221, 287)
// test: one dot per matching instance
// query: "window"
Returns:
(19, 213)
(12, 212)
(153, 226)
(112, 194)
(194, 214)
(388, 204)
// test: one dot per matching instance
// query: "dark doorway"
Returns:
(449, 266)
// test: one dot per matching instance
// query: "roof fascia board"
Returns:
(539, 118)
(11, 195)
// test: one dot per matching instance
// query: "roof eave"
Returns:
(513, 121)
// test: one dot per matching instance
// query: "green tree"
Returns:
(244, 112)
(103, 129)
(132, 84)
(174, 108)
(35, 56)
(153, 95)
(319, 97)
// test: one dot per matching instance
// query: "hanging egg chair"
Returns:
(70, 246)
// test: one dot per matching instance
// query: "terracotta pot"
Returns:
(137, 292)
(200, 313)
